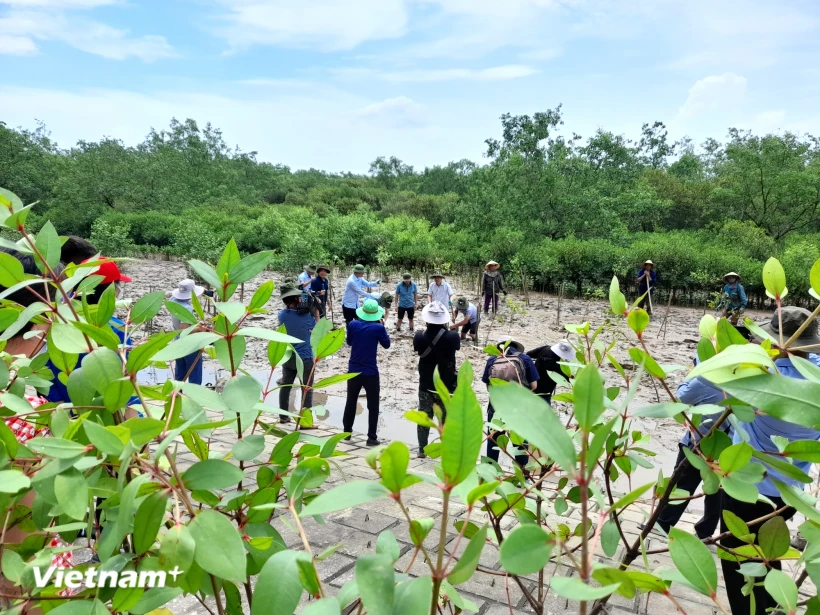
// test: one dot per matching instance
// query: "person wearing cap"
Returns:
(440, 291)
(320, 287)
(733, 297)
(306, 277)
(492, 284)
(647, 280)
(436, 347)
(299, 324)
(354, 289)
(547, 359)
(406, 298)
(470, 320)
(365, 335)
(385, 301)
(512, 352)
(189, 367)
(759, 434)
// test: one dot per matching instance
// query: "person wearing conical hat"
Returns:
(733, 298)
(492, 284)
(647, 280)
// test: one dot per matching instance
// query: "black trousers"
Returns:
(689, 481)
(349, 314)
(426, 401)
(739, 603)
(371, 387)
(492, 449)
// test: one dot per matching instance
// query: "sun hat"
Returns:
(436, 313)
(387, 298)
(491, 264)
(462, 303)
(437, 274)
(358, 268)
(370, 311)
(288, 290)
(185, 289)
(648, 262)
(109, 271)
(320, 267)
(510, 342)
(793, 319)
(310, 268)
(406, 276)
(564, 350)
(730, 274)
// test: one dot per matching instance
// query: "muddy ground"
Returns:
(539, 324)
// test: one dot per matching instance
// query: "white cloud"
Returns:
(495, 73)
(713, 93)
(326, 25)
(17, 45)
(399, 112)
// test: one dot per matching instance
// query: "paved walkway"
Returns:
(357, 530)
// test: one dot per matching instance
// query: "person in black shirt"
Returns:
(437, 349)
(546, 360)
(320, 288)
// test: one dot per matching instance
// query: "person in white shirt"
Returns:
(440, 291)
(469, 322)
(306, 277)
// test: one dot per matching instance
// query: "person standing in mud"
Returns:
(298, 323)
(647, 280)
(406, 297)
(492, 284)
(733, 298)
(437, 348)
(320, 287)
(355, 288)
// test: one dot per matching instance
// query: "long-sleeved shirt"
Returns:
(317, 286)
(440, 292)
(529, 366)
(736, 296)
(546, 361)
(492, 283)
(644, 283)
(762, 429)
(698, 392)
(364, 338)
(304, 280)
(355, 288)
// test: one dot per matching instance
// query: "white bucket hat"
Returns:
(564, 350)
(436, 313)
(185, 289)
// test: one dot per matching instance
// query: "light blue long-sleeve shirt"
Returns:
(737, 295)
(697, 392)
(355, 288)
(303, 279)
(764, 427)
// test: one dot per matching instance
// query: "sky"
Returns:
(333, 84)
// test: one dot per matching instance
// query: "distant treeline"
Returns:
(553, 209)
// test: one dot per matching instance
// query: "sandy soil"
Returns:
(538, 325)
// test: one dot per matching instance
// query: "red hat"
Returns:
(110, 272)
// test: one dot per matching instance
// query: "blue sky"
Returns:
(333, 84)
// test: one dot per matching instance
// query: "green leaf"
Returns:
(154, 598)
(207, 273)
(323, 606)
(331, 380)
(526, 550)
(419, 528)
(638, 320)
(181, 313)
(631, 497)
(49, 245)
(55, 447)
(12, 564)
(71, 491)
(797, 498)
(588, 393)
(376, 581)
(739, 488)
(574, 588)
(694, 561)
(103, 439)
(102, 367)
(307, 574)
(783, 589)
(413, 597)
(81, 607)
(482, 491)
(708, 326)
(65, 362)
(230, 258)
(267, 334)
(322, 328)
(219, 547)
(788, 399)
(241, 394)
(774, 279)
(143, 429)
(773, 538)
(250, 266)
(783, 466)
(177, 548)
(467, 563)
(610, 538)
(737, 526)
(149, 519)
(232, 311)
(11, 270)
(261, 296)
(186, 345)
(344, 496)
(147, 307)
(330, 344)
(462, 436)
(68, 338)
(706, 350)
(386, 544)
(141, 355)
(734, 363)
(394, 460)
(617, 301)
(525, 413)
(12, 481)
(249, 447)
(649, 364)
(212, 474)
(735, 457)
(277, 350)
(662, 410)
(277, 584)
(804, 450)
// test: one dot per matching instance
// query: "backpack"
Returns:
(306, 303)
(509, 368)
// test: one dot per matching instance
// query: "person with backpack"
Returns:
(511, 365)
(547, 359)
(355, 288)
(468, 324)
(493, 283)
(299, 322)
(365, 335)
(406, 297)
(320, 289)
(733, 298)
(436, 347)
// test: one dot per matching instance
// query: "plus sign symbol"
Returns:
(175, 572)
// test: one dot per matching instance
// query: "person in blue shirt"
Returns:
(470, 320)
(320, 287)
(513, 366)
(760, 433)
(647, 280)
(365, 335)
(733, 297)
(299, 323)
(306, 277)
(406, 298)
(188, 367)
(354, 290)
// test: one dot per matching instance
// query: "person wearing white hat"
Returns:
(733, 298)
(437, 348)
(189, 367)
(548, 359)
